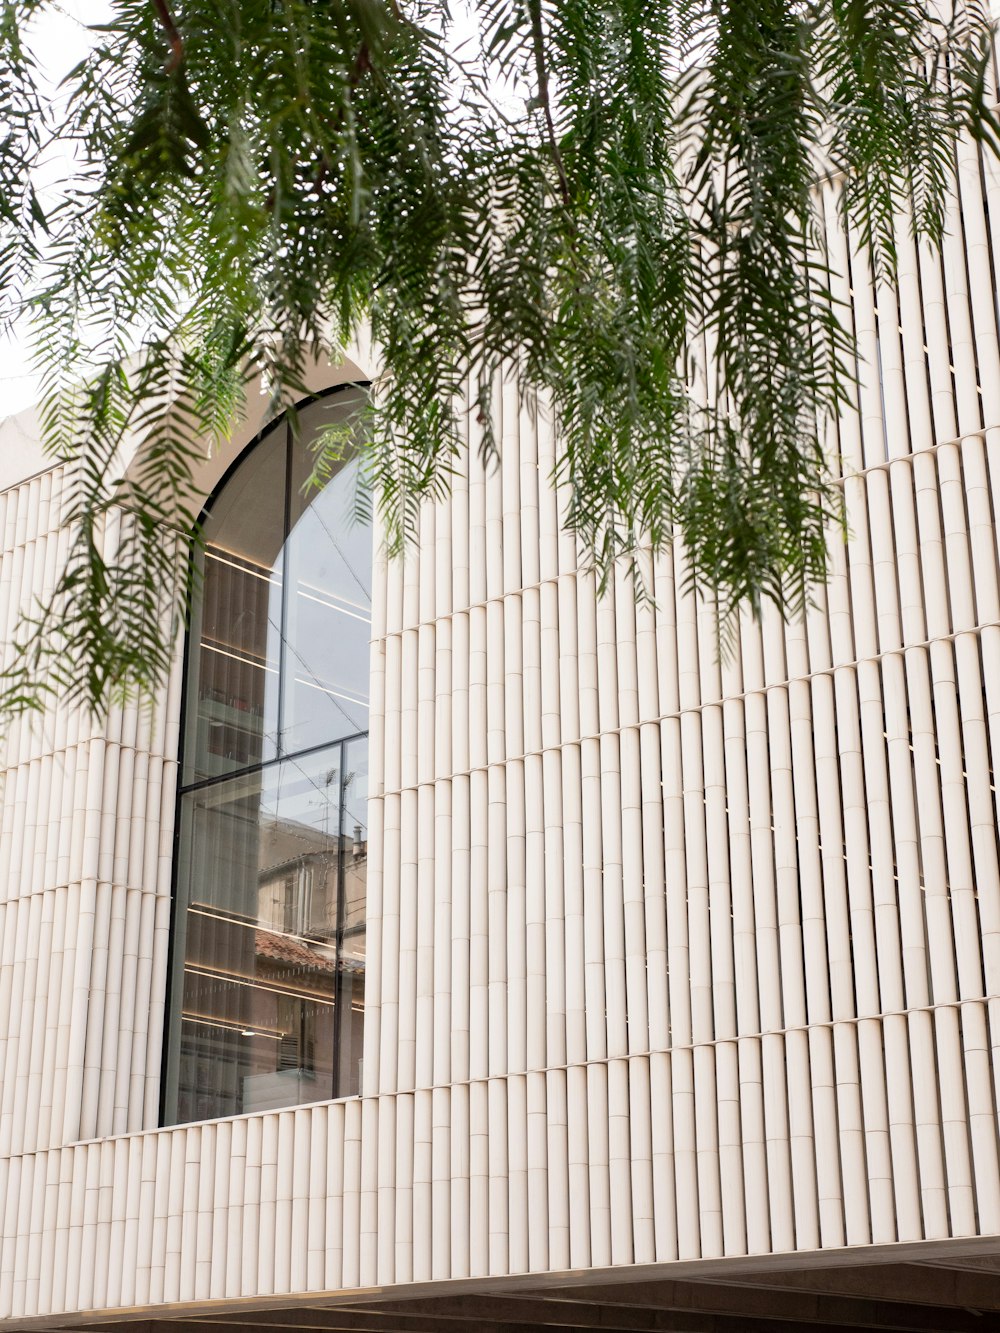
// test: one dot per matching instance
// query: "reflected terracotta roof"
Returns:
(288, 949)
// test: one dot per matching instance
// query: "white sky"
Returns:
(60, 41)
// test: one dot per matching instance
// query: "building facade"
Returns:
(516, 956)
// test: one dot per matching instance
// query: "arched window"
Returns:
(268, 951)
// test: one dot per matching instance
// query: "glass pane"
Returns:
(232, 710)
(328, 557)
(341, 411)
(269, 945)
(351, 968)
(256, 945)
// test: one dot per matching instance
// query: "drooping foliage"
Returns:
(570, 193)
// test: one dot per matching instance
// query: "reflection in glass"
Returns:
(328, 623)
(278, 656)
(270, 939)
(235, 641)
(354, 825)
(267, 1002)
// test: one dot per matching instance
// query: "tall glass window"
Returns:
(268, 975)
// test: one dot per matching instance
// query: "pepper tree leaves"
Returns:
(611, 204)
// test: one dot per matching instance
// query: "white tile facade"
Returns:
(668, 957)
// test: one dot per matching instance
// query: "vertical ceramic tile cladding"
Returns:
(669, 955)
(84, 884)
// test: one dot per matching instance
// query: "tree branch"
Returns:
(544, 100)
(169, 26)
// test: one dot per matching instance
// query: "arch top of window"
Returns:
(277, 658)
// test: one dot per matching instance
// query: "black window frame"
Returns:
(281, 755)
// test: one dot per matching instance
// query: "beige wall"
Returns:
(668, 957)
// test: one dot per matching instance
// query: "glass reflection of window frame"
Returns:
(191, 784)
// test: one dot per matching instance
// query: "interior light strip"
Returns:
(242, 979)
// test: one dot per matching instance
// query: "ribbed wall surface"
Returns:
(668, 957)
(85, 848)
